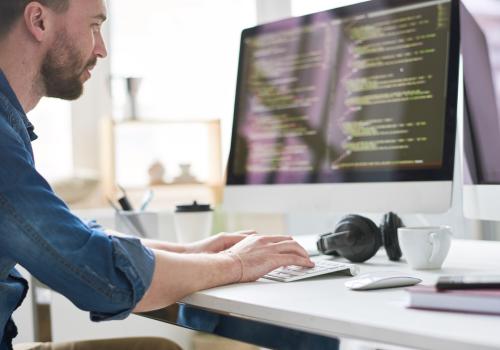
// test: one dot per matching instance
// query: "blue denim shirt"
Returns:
(104, 275)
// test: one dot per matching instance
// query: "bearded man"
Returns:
(49, 48)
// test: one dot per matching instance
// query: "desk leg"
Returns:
(42, 324)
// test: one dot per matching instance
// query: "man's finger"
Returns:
(274, 238)
(291, 247)
(233, 238)
(245, 232)
(292, 259)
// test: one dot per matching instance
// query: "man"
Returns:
(49, 48)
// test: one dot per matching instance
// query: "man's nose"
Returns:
(100, 48)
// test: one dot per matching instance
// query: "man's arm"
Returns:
(178, 275)
(102, 274)
(213, 244)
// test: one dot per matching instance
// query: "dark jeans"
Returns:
(261, 334)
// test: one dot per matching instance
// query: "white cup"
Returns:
(425, 248)
(193, 222)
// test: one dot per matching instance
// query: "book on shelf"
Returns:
(484, 301)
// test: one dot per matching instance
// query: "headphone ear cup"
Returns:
(364, 238)
(389, 228)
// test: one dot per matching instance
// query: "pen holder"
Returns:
(146, 224)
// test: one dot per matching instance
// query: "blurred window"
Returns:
(185, 53)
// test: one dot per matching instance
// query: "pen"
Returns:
(148, 196)
(123, 200)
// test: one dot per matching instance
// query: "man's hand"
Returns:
(217, 243)
(259, 255)
(177, 275)
(214, 244)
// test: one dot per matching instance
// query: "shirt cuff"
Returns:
(94, 225)
(137, 263)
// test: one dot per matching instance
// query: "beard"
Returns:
(62, 70)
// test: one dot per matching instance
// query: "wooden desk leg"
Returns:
(42, 323)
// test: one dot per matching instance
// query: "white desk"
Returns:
(324, 306)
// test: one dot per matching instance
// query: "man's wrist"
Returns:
(235, 267)
(190, 248)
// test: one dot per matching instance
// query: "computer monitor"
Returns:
(481, 127)
(350, 109)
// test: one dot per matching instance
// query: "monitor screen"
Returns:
(365, 93)
(481, 118)
(481, 126)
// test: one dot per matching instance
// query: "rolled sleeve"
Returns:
(93, 224)
(104, 275)
(136, 262)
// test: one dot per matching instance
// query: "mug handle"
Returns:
(436, 245)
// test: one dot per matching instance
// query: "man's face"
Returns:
(65, 69)
(77, 46)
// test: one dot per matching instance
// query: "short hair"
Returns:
(12, 10)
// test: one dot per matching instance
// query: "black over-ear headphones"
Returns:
(357, 238)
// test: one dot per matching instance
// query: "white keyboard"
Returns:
(323, 267)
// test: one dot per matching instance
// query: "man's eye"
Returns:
(96, 27)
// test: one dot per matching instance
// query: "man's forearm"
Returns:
(163, 245)
(178, 275)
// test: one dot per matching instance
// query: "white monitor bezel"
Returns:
(404, 197)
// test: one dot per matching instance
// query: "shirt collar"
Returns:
(6, 90)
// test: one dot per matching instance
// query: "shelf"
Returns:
(208, 150)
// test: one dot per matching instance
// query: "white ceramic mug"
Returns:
(425, 247)
(193, 222)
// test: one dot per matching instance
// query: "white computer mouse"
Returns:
(382, 279)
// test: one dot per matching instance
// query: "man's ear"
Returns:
(36, 21)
